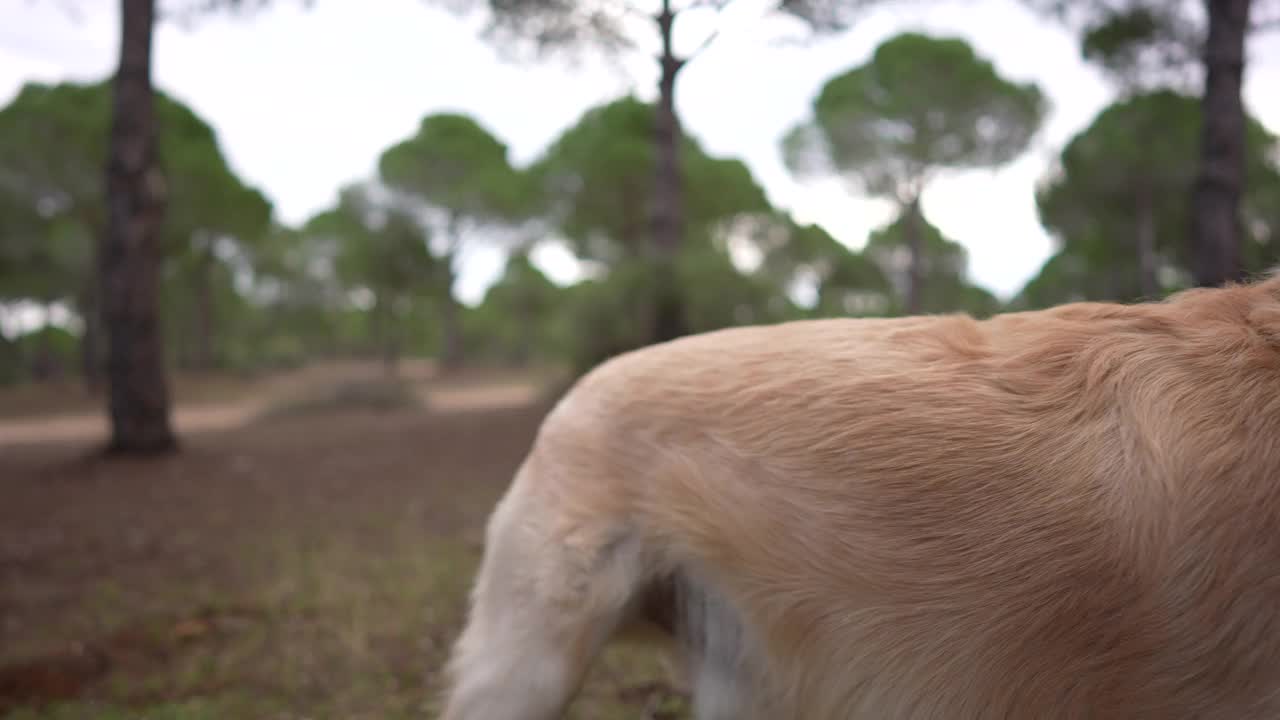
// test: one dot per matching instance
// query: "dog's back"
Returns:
(1070, 513)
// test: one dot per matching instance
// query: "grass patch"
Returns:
(314, 569)
(184, 710)
(333, 629)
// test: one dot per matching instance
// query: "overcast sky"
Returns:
(304, 100)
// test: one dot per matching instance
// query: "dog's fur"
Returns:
(1071, 513)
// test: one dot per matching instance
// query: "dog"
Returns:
(1065, 513)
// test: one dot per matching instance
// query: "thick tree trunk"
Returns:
(1145, 239)
(130, 258)
(1220, 183)
(668, 209)
(914, 240)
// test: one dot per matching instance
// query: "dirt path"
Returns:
(217, 416)
(77, 428)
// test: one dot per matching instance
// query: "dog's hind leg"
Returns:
(547, 596)
(724, 673)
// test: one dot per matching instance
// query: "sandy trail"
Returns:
(72, 428)
(218, 416)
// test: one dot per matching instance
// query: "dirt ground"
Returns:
(295, 560)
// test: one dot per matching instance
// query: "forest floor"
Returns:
(306, 555)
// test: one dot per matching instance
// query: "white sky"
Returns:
(304, 100)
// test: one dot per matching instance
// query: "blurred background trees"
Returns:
(456, 177)
(360, 320)
(133, 257)
(608, 28)
(920, 106)
(1196, 47)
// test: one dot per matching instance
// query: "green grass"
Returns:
(331, 629)
(338, 598)
(187, 710)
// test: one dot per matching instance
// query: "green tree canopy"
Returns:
(1117, 200)
(53, 139)
(1065, 277)
(919, 106)
(611, 27)
(302, 301)
(801, 260)
(382, 251)
(1146, 45)
(457, 167)
(608, 314)
(942, 268)
(847, 282)
(456, 175)
(522, 317)
(596, 181)
(1195, 47)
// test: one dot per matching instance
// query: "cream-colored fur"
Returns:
(1072, 513)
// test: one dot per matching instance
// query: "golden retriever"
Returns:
(1069, 513)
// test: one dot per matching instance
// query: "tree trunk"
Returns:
(915, 244)
(451, 352)
(524, 346)
(89, 305)
(391, 358)
(91, 340)
(204, 345)
(42, 365)
(391, 351)
(130, 259)
(451, 345)
(389, 337)
(1220, 182)
(1119, 285)
(1145, 238)
(668, 209)
(377, 326)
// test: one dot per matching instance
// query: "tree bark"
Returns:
(42, 365)
(668, 209)
(524, 346)
(451, 344)
(377, 325)
(130, 258)
(1145, 239)
(914, 241)
(91, 340)
(205, 340)
(391, 347)
(1220, 182)
(388, 340)
(451, 351)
